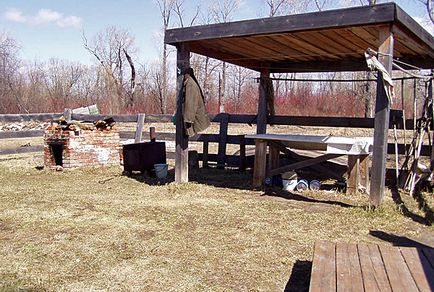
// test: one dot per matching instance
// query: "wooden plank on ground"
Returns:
(323, 275)
(420, 268)
(373, 271)
(399, 275)
(348, 271)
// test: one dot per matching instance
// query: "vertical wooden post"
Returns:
(223, 139)
(242, 152)
(259, 170)
(274, 156)
(205, 151)
(152, 134)
(181, 151)
(67, 114)
(353, 174)
(139, 128)
(364, 171)
(430, 94)
(261, 126)
(382, 112)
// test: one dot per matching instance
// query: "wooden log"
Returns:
(382, 111)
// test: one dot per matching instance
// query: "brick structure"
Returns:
(80, 148)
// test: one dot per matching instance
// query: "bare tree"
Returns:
(9, 73)
(112, 47)
(166, 7)
(223, 11)
(429, 4)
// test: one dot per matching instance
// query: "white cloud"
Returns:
(44, 16)
(15, 15)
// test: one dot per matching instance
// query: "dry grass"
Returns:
(94, 229)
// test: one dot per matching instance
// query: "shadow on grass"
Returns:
(429, 217)
(397, 240)
(295, 197)
(300, 277)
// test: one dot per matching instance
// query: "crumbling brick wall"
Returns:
(82, 148)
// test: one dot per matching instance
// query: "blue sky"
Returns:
(53, 28)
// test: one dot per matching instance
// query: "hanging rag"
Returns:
(195, 116)
(374, 64)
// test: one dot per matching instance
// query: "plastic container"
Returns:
(314, 185)
(161, 170)
(302, 185)
(289, 184)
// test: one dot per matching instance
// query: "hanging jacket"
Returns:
(194, 108)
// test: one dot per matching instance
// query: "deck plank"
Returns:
(420, 268)
(373, 271)
(323, 267)
(399, 275)
(349, 274)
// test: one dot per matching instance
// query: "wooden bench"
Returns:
(371, 267)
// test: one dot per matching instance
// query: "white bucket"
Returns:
(161, 170)
(289, 184)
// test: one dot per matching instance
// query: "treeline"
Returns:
(118, 82)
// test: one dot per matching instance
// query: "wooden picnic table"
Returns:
(371, 267)
(357, 150)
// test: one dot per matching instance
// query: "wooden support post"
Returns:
(152, 134)
(223, 139)
(382, 112)
(242, 153)
(139, 128)
(364, 171)
(273, 157)
(259, 169)
(353, 174)
(67, 114)
(261, 128)
(181, 151)
(205, 152)
(430, 94)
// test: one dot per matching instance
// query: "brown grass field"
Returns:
(94, 229)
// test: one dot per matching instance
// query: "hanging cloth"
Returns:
(194, 109)
(374, 64)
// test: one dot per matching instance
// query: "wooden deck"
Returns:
(371, 267)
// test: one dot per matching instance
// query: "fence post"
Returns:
(67, 114)
(139, 128)
(242, 153)
(223, 138)
(205, 151)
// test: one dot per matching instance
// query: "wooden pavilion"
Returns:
(327, 41)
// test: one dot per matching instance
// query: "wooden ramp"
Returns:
(371, 267)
